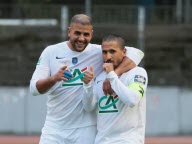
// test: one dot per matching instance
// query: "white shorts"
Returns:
(84, 135)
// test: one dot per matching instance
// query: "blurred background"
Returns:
(160, 28)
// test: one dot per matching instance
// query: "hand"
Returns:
(108, 67)
(89, 75)
(60, 74)
(107, 87)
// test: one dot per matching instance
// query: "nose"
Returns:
(81, 37)
(108, 56)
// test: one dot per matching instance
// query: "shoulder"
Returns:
(134, 73)
(138, 69)
(54, 47)
(57, 46)
(92, 50)
(139, 74)
(95, 47)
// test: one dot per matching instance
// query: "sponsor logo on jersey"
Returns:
(77, 78)
(107, 104)
(140, 79)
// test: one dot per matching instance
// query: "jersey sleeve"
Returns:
(132, 91)
(89, 97)
(134, 54)
(42, 71)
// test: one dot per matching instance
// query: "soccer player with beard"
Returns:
(66, 120)
(121, 115)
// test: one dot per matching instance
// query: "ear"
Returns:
(68, 31)
(92, 33)
(124, 51)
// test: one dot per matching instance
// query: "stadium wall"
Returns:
(168, 53)
(168, 112)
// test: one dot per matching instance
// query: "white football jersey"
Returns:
(64, 105)
(121, 116)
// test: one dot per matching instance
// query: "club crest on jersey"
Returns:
(74, 60)
(107, 104)
(77, 78)
(140, 79)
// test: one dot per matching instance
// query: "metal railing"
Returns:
(107, 14)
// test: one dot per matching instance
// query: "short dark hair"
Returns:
(114, 37)
(81, 19)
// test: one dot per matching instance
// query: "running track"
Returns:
(149, 140)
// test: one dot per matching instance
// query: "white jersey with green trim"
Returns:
(64, 106)
(120, 117)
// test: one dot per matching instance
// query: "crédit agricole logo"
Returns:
(107, 104)
(77, 79)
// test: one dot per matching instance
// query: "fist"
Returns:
(108, 67)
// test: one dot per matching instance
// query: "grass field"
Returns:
(149, 140)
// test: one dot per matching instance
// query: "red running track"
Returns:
(149, 140)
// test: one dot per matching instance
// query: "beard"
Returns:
(79, 46)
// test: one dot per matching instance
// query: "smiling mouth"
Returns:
(80, 44)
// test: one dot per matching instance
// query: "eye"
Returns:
(104, 52)
(77, 33)
(86, 34)
(112, 51)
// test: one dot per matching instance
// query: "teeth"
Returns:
(80, 43)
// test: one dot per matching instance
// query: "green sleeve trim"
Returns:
(39, 61)
(137, 87)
